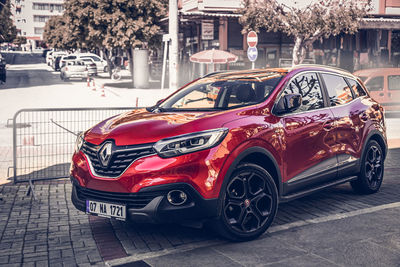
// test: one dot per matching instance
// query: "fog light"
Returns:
(176, 197)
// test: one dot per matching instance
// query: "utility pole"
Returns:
(173, 45)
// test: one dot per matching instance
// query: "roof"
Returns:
(261, 74)
(380, 23)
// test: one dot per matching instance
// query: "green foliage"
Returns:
(8, 31)
(320, 18)
(107, 24)
(19, 40)
(58, 34)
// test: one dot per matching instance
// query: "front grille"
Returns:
(132, 200)
(122, 157)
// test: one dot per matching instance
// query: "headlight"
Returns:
(79, 142)
(188, 143)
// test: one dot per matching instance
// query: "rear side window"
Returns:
(307, 85)
(394, 82)
(338, 90)
(357, 88)
(92, 57)
(375, 84)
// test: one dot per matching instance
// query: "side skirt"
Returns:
(315, 189)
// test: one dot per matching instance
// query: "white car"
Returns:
(101, 64)
(52, 55)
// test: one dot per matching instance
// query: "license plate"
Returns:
(108, 210)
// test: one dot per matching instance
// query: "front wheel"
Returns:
(249, 203)
(371, 173)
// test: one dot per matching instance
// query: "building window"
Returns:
(40, 18)
(38, 30)
(59, 8)
(40, 6)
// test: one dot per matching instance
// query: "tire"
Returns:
(248, 205)
(372, 169)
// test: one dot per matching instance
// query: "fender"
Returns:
(242, 151)
(369, 137)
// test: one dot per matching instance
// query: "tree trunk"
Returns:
(297, 50)
(109, 63)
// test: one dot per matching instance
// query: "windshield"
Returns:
(224, 92)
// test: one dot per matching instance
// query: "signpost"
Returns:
(252, 52)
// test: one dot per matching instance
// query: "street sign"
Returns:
(252, 53)
(252, 39)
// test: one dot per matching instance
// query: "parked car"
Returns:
(100, 63)
(52, 56)
(56, 65)
(91, 66)
(383, 85)
(269, 136)
(3, 71)
(74, 69)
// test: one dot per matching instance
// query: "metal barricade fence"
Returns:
(44, 139)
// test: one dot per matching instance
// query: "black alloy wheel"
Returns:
(249, 204)
(372, 169)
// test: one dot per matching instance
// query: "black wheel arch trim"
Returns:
(236, 163)
(382, 139)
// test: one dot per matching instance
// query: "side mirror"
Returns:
(288, 103)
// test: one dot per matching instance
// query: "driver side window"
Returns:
(307, 85)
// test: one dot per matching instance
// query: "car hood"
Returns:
(141, 127)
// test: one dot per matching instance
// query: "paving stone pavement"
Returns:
(51, 232)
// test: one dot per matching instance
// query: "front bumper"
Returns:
(150, 204)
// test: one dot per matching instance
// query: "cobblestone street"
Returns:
(50, 231)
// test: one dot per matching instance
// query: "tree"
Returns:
(319, 19)
(57, 34)
(112, 24)
(19, 40)
(8, 31)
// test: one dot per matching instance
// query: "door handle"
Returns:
(329, 125)
(381, 94)
(390, 94)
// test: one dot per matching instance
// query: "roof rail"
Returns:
(322, 66)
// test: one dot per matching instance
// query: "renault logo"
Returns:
(105, 153)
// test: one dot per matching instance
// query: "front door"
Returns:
(309, 158)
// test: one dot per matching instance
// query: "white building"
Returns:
(30, 17)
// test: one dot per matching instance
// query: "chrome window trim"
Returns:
(316, 72)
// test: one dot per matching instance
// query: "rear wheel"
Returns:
(249, 203)
(371, 174)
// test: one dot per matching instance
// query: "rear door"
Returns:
(351, 116)
(309, 158)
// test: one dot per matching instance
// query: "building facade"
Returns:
(377, 43)
(30, 17)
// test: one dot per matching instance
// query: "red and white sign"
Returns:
(252, 39)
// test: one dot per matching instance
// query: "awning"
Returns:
(209, 14)
(380, 23)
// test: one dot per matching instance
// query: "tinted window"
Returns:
(375, 84)
(394, 82)
(338, 90)
(356, 87)
(224, 92)
(307, 85)
(92, 57)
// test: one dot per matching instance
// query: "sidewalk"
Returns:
(333, 227)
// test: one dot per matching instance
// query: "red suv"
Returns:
(228, 147)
